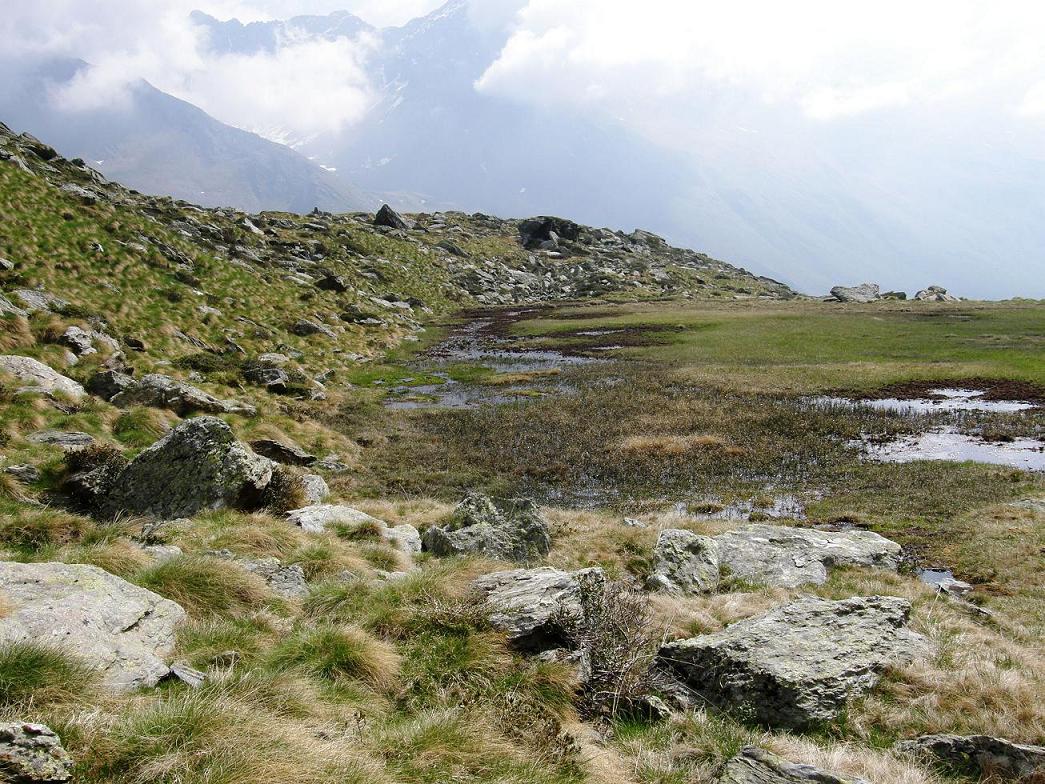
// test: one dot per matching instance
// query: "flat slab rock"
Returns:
(32, 754)
(754, 765)
(317, 518)
(980, 755)
(37, 377)
(799, 664)
(787, 557)
(159, 391)
(538, 608)
(124, 631)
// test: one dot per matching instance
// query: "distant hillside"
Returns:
(160, 145)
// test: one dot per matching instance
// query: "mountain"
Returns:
(161, 145)
(903, 203)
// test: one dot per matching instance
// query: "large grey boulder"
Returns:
(758, 766)
(787, 557)
(799, 664)
(37, 377)
(159, 391)
(197, 466)
(864, 293)
(36, 300)
(32, 754)
(935, 294)
(386, 216)
(126, 632)
(511, 530)
(979, 755)
(684, 563)
(539, 609)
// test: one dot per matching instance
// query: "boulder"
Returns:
(80, 341)
(386, 216)
(107, 384)
(684, 563)
(935, 294)
(66, 439)
(404, 537)
(287, 581)
(758, 766)
(282, 452)
(304, 328)
(37, 377)
(333, 283)
(32, 754)
(159, 391)
(315, 488)
(511, 530)
(199, 465)
(787, 557)
(980, 756)
(799, 664)
(865, 292)
(274, 379)
(24, 473)
(34, 300)
(539, 609)
(126, 632)
(315, 519)
(8, 308)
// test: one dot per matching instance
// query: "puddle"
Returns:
(598, 333)
(787, 507)
(943, 399)
(478, 343)
(948, 444)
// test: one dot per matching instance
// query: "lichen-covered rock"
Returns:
(197, 466)
(126, 632)
(684, 563)
(65, 439)
(37, 300)
(315, 519)
(159, 391)
(539, 609)
(286, 580)
(787, 557)
(981, 756)
(758, 766)
(37, 377)
(107, 384)
(8, 308)
(935, 294)
(798, 664)
(315, 488)
(511, 530)
(32, 754)
(403, 537)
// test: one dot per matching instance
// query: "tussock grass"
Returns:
(35, 677)
(205, 586)
(339, 653)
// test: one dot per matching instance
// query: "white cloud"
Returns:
(824, 58)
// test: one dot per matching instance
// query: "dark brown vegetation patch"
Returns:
(996, 389)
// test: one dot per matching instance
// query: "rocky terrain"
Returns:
(193, 589)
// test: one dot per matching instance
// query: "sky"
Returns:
(966, 77)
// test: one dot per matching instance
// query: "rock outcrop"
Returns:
(798, 665)
(862, 294)
(199, 465)
(935, 294)
(511, 530)
(282, 452)
(684, 563)
(755, 765)
(36, 377)
(391, 219)
(32, 754)
(787, 557)
(159, 391)
(981, 756)
(124, 631)
(539, 609)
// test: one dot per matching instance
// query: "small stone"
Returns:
(190, 677)
(24, 473)
(282, 452)
(980, 756)
(315, 488)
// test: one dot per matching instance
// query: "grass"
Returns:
(337, 653)
(205, 586)
(34, 676)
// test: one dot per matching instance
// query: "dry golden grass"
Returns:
(674, 445)
(850, 760)
(15, 334)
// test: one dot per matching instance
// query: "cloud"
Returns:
(303, 89)
(824, 59)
